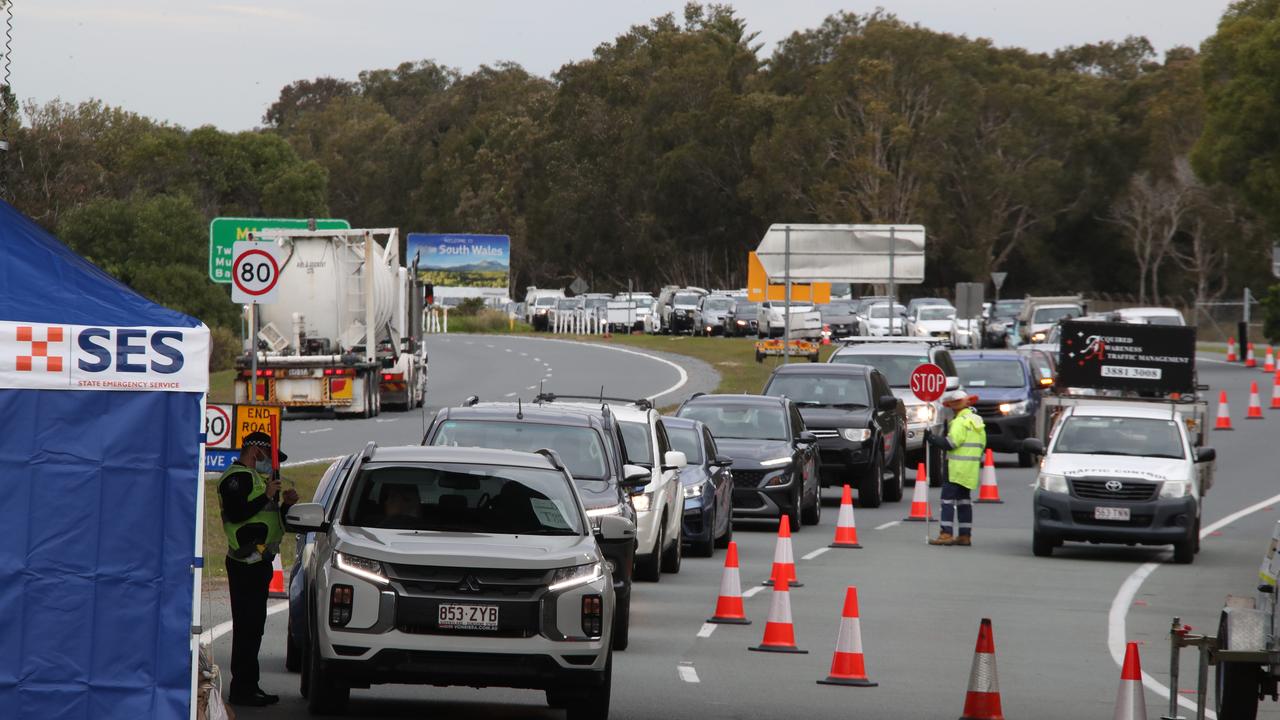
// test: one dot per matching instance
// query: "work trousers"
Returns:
(247, 584)
(955, 501)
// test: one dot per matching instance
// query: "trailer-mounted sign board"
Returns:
(1158, 359)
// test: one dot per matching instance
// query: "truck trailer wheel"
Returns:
(1236, 684)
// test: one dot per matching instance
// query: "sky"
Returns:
(223, 62)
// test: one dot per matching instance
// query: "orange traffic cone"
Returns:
(729, 608)
(1249, 360)
(846, 530)
(1275, 391)
(983, 699)
(848, 667)
(988, 490)
(784, 563)
(1224, 413)
(779, 632)
(1231, 350)
(1255, 404)
(1131, 703)
(1269, 365)
(276, 588)
(920, 498)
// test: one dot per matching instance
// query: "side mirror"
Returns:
(614, 528)
(724, 461)
(888, 403)
(808, 437)
(674, 460)
(305, 517)
(1206, 454)
(1033, 446)
(953, 382)
(635, 476)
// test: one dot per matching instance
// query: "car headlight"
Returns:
(1174, 489)
(774, 462)
(1017, 408)
(855, 434)
(781, 478)
(568, 577)
(1052, 483)
(741, 322)
(694, 490)
(363, 568)
(1037, 337)
(642, 502)
(920, 414)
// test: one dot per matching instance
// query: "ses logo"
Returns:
(75, 357)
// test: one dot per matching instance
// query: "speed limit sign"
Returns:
(217, 427)
(255, 270)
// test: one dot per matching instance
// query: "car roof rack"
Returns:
(367, 454)
(642, 403)
(901, 340)
(553, 456)
(471, 401)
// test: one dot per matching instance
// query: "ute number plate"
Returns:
(299, 372)
(467, 617)
(1111, 513)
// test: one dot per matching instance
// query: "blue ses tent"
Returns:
(101, 415)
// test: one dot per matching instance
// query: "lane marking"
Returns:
(684, 376)
(687, 673)
(512, 394)
(298, 463)
(313, 432)
(532, 387)
(389, 420)
(706, 630)
(537, 359)
(507, 349)
(753, 591)
(814, 554)
(1119, 611)
(217, 631)
(524, 354)
(889, 524)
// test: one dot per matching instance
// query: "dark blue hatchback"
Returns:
(1008, 391)
(708, 486)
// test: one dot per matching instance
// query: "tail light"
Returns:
(340, 604)
(592, 615)
(339, 371)
(392, 377)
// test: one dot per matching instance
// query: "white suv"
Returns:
(458, 566)
(660, 504)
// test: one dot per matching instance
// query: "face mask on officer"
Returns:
(262, 465)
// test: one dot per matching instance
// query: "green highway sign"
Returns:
(225, 231)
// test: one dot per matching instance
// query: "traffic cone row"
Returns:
(920, 497)
(988, 490)
(1223, 421)
(779, 630)
(1249, 359)
(1255, 404)
(1231, 350)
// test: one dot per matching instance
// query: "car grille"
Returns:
(1129, 490)
(747, 499)
(825, 433)
(987, 411)
(748, 478)
(467, 583)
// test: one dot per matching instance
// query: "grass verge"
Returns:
(303, 478)
(222, 386)
(487, 322)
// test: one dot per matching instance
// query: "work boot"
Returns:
(943, 539)
(963, 541)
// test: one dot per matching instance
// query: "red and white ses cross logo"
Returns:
(39, 358)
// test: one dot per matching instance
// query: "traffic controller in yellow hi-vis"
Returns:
(760, 287)
(226, 426)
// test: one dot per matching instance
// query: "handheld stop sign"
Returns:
(928, 382)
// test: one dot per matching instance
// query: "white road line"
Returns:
(706, 630)
(313, 432)
(298, 463)
(753, 591)
(814, 554)
(684, 376)
(889, 524)
(385, 420)
(533, 387)
(1129, 589)
(507, 349)
(537, 359)
(512, 394)
(687, 673)
(524, 354)
(217, 631)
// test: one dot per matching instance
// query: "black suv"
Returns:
(591, 449)
(775, 459)
(859, 423)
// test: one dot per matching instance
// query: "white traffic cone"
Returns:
(1131, 703)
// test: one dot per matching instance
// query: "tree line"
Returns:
(664, 156)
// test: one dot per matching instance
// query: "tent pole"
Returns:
(197, 572)
(786, 311)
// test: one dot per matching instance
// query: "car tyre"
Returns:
(292, 655)
(793, 513)
(621, 626)
(872, 484)
(671, 557)
(325, 695)
(893, 490)
(812, 514)
(706, 548)
(1041, 546)
(649, 568)
(937, 466)
(593, 703)
(1025, 459)
(724, 540)
(1184, 551)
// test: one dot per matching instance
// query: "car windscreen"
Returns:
(466, 498)
(1141, 437)
(936, 312)
(820, 391)
(1162, 320)
(978, 373)
(1007, 309)
(635, 438)
(686, 441)
(1054, 314)
(545, 301)
(593, 303)
(740, 422)
(717, 304)
(580, 448)
(745, 309)
(690, 299)
(882, 311)
(895, 368)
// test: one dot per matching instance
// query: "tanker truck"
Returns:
(313, 351)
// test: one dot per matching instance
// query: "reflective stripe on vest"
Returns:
(268, 516)
(968, 435)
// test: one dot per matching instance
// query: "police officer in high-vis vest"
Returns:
(253, 511)
(964, 443)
